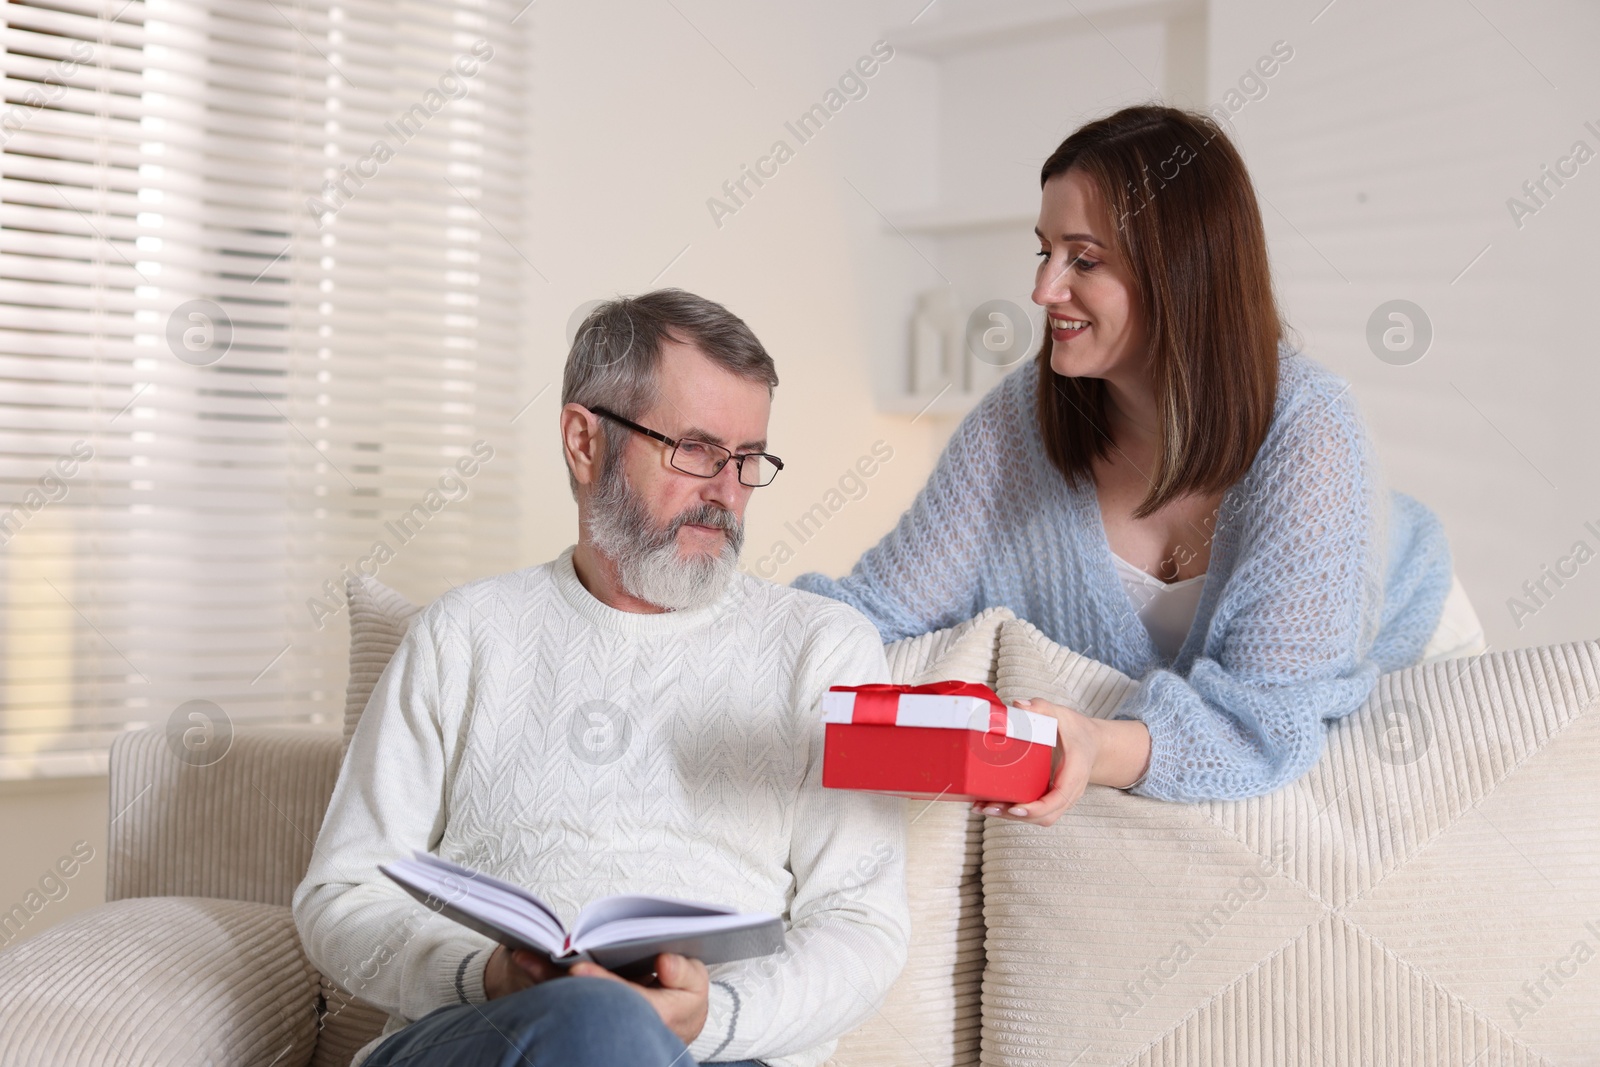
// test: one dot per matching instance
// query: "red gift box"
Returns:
(944, 741)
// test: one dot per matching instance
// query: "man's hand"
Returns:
(509, 971)
(680, 999)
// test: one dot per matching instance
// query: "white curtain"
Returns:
(258, 317)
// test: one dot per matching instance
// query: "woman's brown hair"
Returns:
(1186, 223)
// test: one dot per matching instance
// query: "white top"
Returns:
(1166, 608)
(530, 731)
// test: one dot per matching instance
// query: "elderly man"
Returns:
(635, 716)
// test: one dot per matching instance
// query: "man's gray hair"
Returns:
(614, 355)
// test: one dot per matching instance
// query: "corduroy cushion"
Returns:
(1429, 893)
(160, 981)
(931, 1013)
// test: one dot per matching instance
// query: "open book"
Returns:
(622, 933)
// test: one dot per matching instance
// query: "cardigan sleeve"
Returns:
(924, 574)
(1291, 636)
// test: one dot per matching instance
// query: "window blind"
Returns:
(258, 297)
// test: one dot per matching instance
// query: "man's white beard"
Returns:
(647, 557)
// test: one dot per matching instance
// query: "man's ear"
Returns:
(582, 442)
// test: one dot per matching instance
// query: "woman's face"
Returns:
(1096, 330)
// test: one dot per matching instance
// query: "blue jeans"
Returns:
(571, 1021)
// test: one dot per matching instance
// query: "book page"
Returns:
(657, 927)
(486, 899)
(598, 913)
(467, 874)
(636, 924)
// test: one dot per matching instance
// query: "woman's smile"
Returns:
(1064, 329)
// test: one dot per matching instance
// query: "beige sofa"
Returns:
(1428, 893)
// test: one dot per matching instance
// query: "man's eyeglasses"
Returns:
(706, 460)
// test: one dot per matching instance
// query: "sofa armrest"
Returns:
(239, 828)
(161, 980)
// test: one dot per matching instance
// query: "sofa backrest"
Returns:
(1426, 893)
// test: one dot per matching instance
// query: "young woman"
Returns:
(1170, 488)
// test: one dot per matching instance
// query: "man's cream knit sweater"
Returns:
(526, 729)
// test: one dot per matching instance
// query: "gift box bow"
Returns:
(945, 705)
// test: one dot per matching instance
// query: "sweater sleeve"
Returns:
(924, 574)
(358, 926)
(1298, 619)
(1421, 568)
(848, 921)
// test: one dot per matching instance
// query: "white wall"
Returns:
(1387, 149)
(42, 822)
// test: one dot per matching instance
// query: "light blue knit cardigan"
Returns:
(1320, 579)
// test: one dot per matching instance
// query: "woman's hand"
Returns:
(1112, 752)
